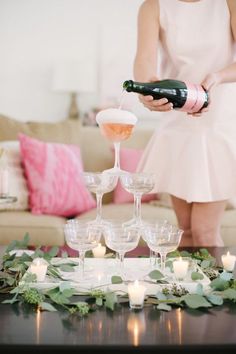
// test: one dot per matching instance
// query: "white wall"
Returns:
(37, 34)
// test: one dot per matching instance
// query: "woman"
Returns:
(193, 156)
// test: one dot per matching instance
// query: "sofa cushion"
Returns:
(65, 131)
(17, 181)
(43, 230)
(54, 177)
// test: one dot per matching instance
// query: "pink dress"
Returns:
(195, 158)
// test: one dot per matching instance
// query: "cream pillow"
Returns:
(17, 181)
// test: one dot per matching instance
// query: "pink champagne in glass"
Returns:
(116, 125)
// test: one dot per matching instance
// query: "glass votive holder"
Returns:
(180, 268)
(136, 294)
(228, 261)
(99, 251)
(39, 267)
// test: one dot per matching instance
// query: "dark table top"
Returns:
(124, 330)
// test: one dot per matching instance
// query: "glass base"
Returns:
(133, 222)
(99, 222)
(116, 171)
(136, 306)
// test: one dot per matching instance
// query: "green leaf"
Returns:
(64, 254)
(199, 289)
(67, 268)
(18, 244)
(10, 301)
(215, 299)
(219, 284)
(53, 251)
(196, 301)
(65, 285)
(173, 254)
(99, 301)
(115, 279)
(156, 275)
(38, 253)
(229, 294)
(45, 306)
(68, 292)
(164, 307)
(110, 300)
(82, 307)
(185, 254)
(196, 276)
(205, 264)
(57, 296)
(160, 296)
(204, 252)
(11, 246)
(226, 276)
(152, 301)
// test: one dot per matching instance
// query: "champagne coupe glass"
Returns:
(121, 239)
(137, 184)
(82, 236)
(163, 239)
(116, 125)
(162, 224)
(100, 183)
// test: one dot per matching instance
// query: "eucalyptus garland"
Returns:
(16, 283)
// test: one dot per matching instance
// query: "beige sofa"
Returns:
(97, 155)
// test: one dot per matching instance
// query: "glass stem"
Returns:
(121, 259)
(81, 257)
(117, 155)
(163, 261)
(152, 257)
(99, 206)
(137, 207)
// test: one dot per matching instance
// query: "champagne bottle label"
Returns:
(196, 97)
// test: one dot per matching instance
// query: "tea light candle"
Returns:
(180, 268)
(136, 294)
(39, 267)
(228, 261)
(99, 251)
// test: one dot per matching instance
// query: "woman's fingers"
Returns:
(161, 105)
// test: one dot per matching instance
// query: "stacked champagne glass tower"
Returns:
(117, 125)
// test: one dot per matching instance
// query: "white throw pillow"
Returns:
(17, 181)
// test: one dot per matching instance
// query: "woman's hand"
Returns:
(161, 105)
(208, 83)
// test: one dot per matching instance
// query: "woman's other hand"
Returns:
(208, 84)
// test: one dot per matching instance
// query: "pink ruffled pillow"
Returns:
(129, 159)
(53, 173)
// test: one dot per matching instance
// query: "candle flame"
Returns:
(38, 320)
(136, 325)
(37, 262)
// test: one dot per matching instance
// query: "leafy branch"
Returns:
(16, 281)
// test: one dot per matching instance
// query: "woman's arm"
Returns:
(227, 74)
(145, 63)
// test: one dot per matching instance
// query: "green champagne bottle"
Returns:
(184, 96)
